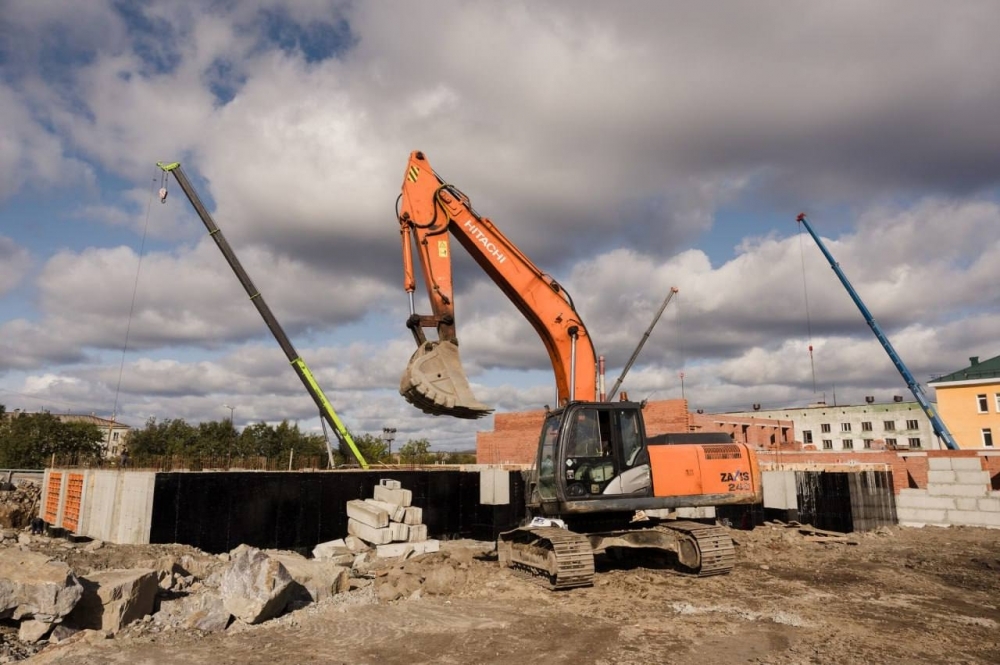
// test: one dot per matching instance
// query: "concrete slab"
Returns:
(919, 515)
(973, 477)
(494, 487)
(988, 505)
(940, 464)
(407, 549)
(367, 513)
(368, 533)
(779, 490)
(939, 489)
(399, 497)
(396, 513)
(413, 515)
(941, 477)
(966, 464)
(968, 503)
(974, 518)
(926, 502)
(400, 532)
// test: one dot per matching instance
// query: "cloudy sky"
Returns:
(625, 147)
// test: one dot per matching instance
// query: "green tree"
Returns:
(30, 440)
(416, 451)
(168, 437)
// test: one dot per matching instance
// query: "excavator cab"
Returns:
(593, 450)
(594, 457)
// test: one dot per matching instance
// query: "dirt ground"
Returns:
(897, 596)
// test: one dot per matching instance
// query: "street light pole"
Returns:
(388, 434)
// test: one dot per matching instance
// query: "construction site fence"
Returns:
(224, 463)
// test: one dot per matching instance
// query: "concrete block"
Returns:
(399, 497)
(940, 464)
(966, 464)
(418, 533)
(779, 490)
(494, 487)
(973, 477)
(396, 513)
(968, 503)
(939, 489)
(391, 484)
(407, 549)
(367, 514)
(926, 502)
(988, 505)
(413, 515)
(400, 532)
(369, 534)
(941, 477)
(921, 515)
(974, 518)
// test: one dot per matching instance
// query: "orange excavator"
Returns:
(599, 483)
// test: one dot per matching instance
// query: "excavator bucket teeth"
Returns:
(435, 383)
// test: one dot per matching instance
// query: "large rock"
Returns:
(320, 579)
(32, 630)
(254, 586)
(34, 587)
(202, 611)
(112, 599)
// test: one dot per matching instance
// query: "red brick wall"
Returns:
(758, 432)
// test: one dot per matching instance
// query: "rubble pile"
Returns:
(386, 557)
(18, 503)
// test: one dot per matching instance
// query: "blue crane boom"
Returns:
(940, 429)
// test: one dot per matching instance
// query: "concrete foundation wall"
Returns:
(111, 505)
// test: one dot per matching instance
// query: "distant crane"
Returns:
(940, 429)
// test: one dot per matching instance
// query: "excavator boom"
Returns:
(430, 212)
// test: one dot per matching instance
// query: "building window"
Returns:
(891, 443)
(807, 436)
(827, 444)
(845, 427)
(848, 444)
(114, 436)
(889, 425)
(981, 399)
(866, 426)
(996, 396)
(987, 437)
(825, 427)
(868, 443)
(915, 442)
(912, 424)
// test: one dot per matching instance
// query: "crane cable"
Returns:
(135, 288)
(805, 295)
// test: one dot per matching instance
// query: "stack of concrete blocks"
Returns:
(389, 522)
(958, 494)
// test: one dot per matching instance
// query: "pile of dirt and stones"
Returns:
(55, 591)
(18, 503)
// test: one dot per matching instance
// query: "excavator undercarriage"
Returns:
(558, 558)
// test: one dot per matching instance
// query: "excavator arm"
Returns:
(430, 212)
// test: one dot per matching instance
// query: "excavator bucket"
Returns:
(435, 383)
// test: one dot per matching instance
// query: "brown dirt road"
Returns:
(902, 596)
